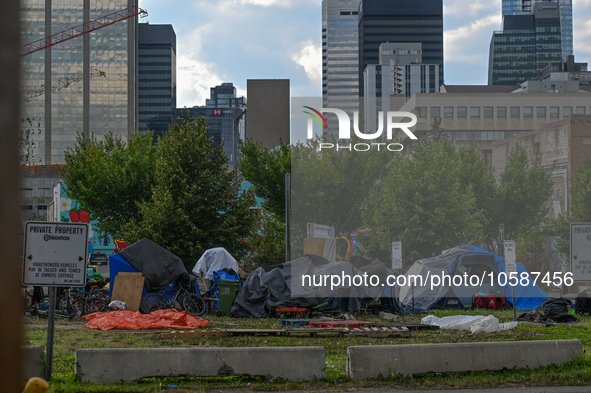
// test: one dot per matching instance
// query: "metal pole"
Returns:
(287, 217)
(50, 333)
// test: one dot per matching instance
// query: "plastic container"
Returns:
(228, 290)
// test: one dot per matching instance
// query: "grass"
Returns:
(72, 335)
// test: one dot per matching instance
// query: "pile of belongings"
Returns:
(555, 312)
(473, 323)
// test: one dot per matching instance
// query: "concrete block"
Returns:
(132, 364)
(33, 362)
(383, 361)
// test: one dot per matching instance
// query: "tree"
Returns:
(195, 203)
(422, 202)
(111, 177)
(266, 246)
(266, 170)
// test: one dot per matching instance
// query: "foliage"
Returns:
(266, 170)
(422, 202)
(195, 204)
(330, 186)
(111, 177)
(267, 246)
(437, 133)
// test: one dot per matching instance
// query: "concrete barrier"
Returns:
(32, 362)
(383, 361)
(132, 364)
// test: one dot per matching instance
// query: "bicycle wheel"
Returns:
(152, 302)
(94, 304)
(194, 304)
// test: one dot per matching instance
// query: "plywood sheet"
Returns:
(128, 288)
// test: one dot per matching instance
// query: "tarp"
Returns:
(118, 265)
(451, 262)
(473, 323)
(213, 260)
(279, 286)
(159, 266)
(129, 320)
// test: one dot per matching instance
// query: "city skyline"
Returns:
(236, 40)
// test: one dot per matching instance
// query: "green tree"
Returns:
(267, 244)
(195, 202)
(422, 202)
(111, 177)
(266, 170)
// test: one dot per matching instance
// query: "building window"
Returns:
(580, 110)
(501, 111)
(422, 111)
(528, 111)
(514, 111)
(448, 111)
(554, 111)
(541, 111)
(567, 111)
(488, 111)
(435, 111)
(41, 207)
(462, 110)
(474, 111)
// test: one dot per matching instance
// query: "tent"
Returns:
(159, 266)
(286, 285)
(465, 261)
(213, 260)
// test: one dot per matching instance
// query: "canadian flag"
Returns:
(217, 111)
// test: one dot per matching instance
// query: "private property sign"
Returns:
(580, 250)
(55, 254)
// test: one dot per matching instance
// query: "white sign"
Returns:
(580, 250)
(55, 254)
(396, 255)
(510, 257)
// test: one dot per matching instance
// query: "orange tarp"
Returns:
(129, 320)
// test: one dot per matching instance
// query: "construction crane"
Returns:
(60, 83)
(82, 29)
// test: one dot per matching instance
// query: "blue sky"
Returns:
(235, 40)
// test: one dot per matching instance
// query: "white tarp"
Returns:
(473, 323)
(213, 260)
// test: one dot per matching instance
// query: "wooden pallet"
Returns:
(351, 332)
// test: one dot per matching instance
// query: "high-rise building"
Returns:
(510, 7)
(85, 85)
(400, 21)
(156, 78)
(528, 43)
(340, 51)
(224, 113)
(401, 72)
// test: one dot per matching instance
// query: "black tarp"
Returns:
(159, 266)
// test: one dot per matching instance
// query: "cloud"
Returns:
(310, 57)
(467, 43)
(194, 81)
(463, 8)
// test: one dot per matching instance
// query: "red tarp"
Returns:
(129, 320)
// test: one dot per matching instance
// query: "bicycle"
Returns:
(82, 303)
(178, 298)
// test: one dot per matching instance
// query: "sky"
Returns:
(235, 40)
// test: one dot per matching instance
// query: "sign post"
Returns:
(397, 255)
(511, 267)
(580, 250)
(54, 256)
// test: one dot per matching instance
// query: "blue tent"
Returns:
(118, 265)
(457, 261)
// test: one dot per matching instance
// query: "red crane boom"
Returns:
(82, 29)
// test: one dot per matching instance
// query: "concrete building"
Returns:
(510, 7)
(563, 146)
(156, 78)
(340, 53)
(85, 85)
(400, 72)
(400, 21)
(225, 114)
(526, 45)
(484, 114)
(37, 183)
(268, 119)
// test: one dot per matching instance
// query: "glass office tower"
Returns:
(85, 85)
(509, 7)
(340, 51)
(156, 78)
(404, 21)
(528, 43)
